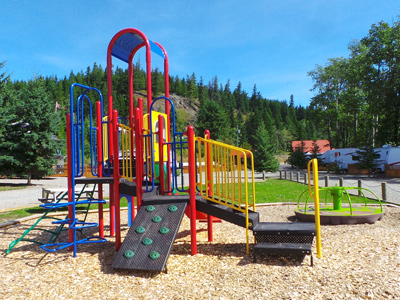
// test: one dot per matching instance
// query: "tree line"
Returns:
(262, 125)
(356, 104)
(357, 101)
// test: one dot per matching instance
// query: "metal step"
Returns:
(266, 232)
(226, 213)
(283, 249)
(94, 180)
(285, 228)
(284, 238)
(146, 246)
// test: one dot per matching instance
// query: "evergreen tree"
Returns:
(192, 92)
(315, 151)
(28, 142)
(203, 93)
(139, 77)
(264, 150)
(211, 116)
(297, 157)
(367, 158)
(7, 97)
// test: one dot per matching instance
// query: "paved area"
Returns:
(29, 195)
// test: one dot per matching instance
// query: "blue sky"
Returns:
(272, 44)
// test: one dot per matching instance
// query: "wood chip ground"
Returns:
(358, 262)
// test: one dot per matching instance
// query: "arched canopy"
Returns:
(124, 46)
(129, 41)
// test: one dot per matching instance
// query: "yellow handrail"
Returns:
(315, 196)
(221, 168)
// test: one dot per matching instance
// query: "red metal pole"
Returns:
(148, 74)
(100, 166)
(140, 106)
(70, 183)
(130, 84)
(109, 128)
(160, 153)
(167, 112)
(109, 97)
(131, 125)
(192, 189)
(116, 183)
(139, 156)
(209, 174)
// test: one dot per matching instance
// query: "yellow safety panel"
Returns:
(154, 119)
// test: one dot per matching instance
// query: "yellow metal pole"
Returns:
(314, 163)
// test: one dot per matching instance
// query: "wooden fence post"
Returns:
(326, 181)
(384, 197)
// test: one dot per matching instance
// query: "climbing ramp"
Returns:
(149, 240)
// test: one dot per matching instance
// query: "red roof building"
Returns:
(308, 145)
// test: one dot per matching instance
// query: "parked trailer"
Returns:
(342, 157)
(388, 156)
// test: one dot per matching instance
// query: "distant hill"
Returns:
(185, 108)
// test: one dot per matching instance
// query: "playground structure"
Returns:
(141, 157)
(333, 212)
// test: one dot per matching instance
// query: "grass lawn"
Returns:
(20, 213)
(269, 191)
(10, 188)
(275, 190)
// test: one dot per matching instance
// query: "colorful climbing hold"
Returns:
(129, 253)
(164, 230)
(150, 208)
(172, 208)
(140, 229)
(154, 255)
(156, 219)
(147, 241)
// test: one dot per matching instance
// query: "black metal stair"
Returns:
(284, 238)
(127, 187)
(226, 213)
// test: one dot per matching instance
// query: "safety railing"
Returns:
(149, 166)
(223, 174)
(123, 125)
(127, 151)
(179, 161)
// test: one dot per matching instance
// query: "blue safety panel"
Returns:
(156, 49)
(125, 44)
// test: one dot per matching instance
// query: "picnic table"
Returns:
(52, 194)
